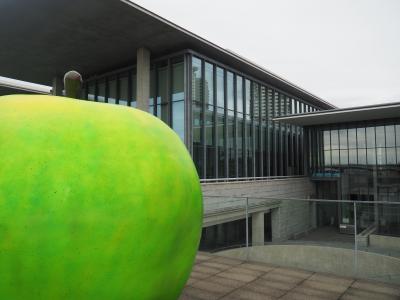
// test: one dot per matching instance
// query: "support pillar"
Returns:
(57, 86)
(257, 223)
(143, 79)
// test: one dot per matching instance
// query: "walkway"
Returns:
(217, 277)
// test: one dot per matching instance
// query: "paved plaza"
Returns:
(217, 277)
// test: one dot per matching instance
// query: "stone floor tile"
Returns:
(226, 281)
(259, 287)
(284, 286)
(379, 287)
(324, 286)
(316, 293)
(194, 293)
(354, 293)
(293, 272)
(237, 276)
(245, 294)
(191, 280)
(328, 278)
(227, 260)
(258, 267)
(216, 265)
(299, 296)
(207, 270)
(241, 270)
(199, 275)
(213, 287)
(281, 278)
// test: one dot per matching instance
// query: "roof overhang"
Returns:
(46, 38)
(346, 115)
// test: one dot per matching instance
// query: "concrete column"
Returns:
(257, 228)
(57, 86)
(276, 225)
(143, 79)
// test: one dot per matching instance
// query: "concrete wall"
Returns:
(384, 242)
(290, 219)
(337, 261)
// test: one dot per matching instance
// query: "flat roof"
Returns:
(46, 38)
(344, 115)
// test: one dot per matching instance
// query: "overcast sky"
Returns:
(344, 51)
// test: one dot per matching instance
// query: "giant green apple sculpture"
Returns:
(97, 201)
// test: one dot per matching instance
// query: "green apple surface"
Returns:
(97, 201)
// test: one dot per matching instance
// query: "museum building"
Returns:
(251, 133)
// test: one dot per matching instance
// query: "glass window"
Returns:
(177, 82)
(380, 156)
(248, 97)
(335, 157)
(391, 156)
(197, 138)
(390, 136)
(370, 132)
(343, 138)
(91, 91)
(398, 135)
(353, 156)
(209, 139)
(221, 142)
(361, 142)
(362, 156)
(197, 88)
(112, 91)
(352, 136)
(371, 156)
(220, 88)
(178, 121)
(334, 139)
(162, 94)
(327, 140)
(344, 157)
(239, 94)
(327, 157)
(380, 136)
(101, 91)
(230, 91)
(209, 83)
(123, 90)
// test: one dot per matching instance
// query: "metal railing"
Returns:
(248, 179)
(361, 234)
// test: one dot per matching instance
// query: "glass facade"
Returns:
(234, 135)
(229, 132)
(167, 91)
(364, 160)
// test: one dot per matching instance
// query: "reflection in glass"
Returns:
(352, 136)
(221, 142)
(334, 139)
(239, 94)
(123, 90)
(209, 139)
(380, 136)
(390, 136)
(112, 91)
(197, 89)
(220, 88)
(343, 138)
(101, 93)
(362, 156)
(361, 142)
(327, 140)
(380, 155)
(344, 157)
(391, 156)
(371, 156)
(370, 131)
(209, 83)
(178, 118)
(197, 139)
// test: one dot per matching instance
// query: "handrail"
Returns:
(248, 179)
